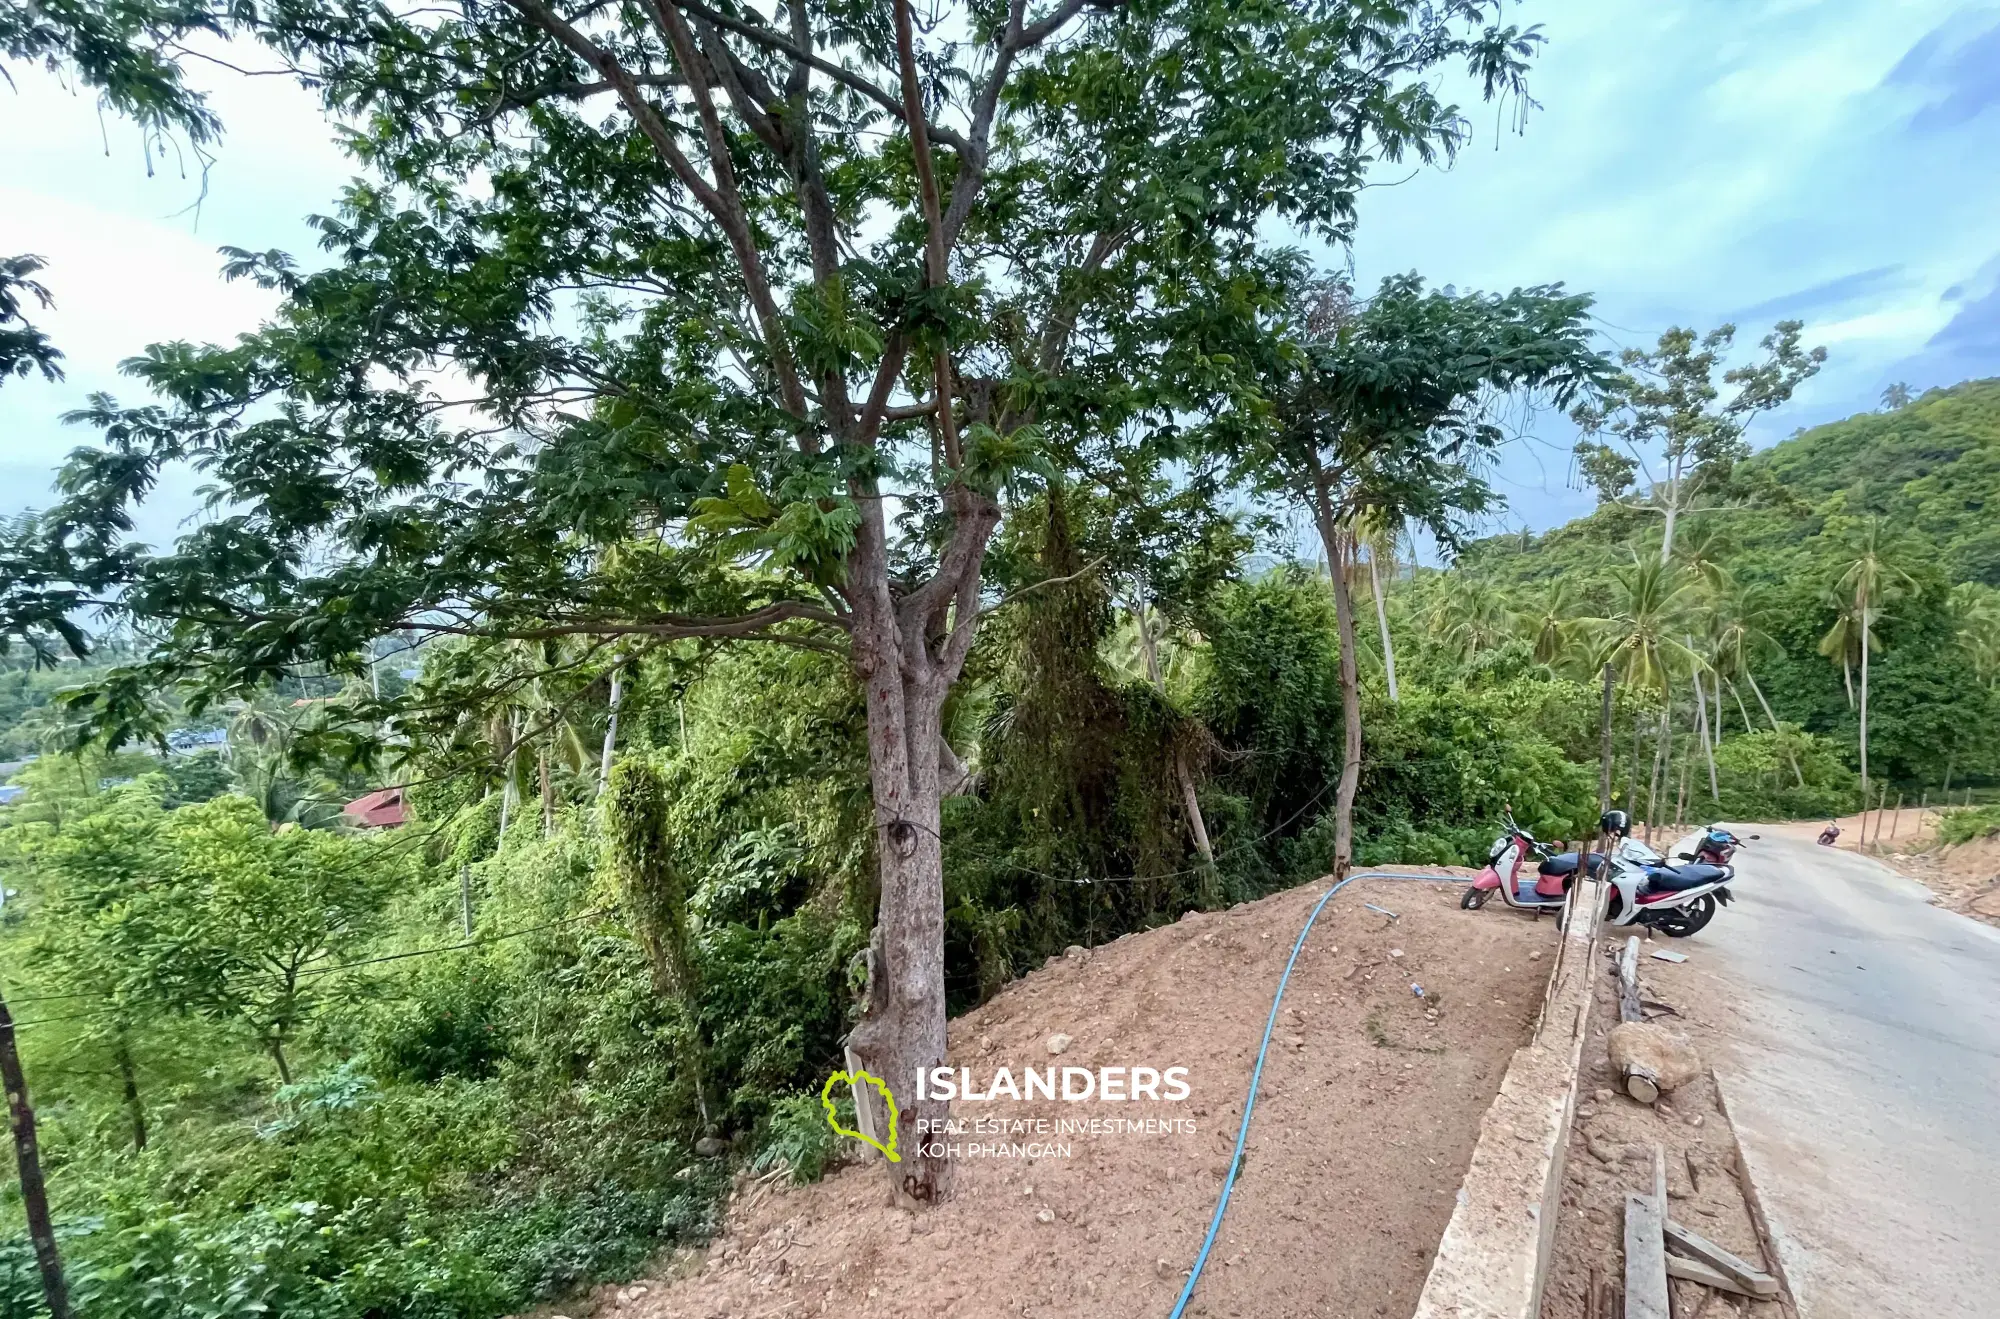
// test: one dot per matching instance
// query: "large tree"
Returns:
(669, 320)
(1666, 407)
(1384, 409)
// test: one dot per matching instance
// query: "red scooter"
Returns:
(1717, 846)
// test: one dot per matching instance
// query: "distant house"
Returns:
(188, 741)
(381, 809)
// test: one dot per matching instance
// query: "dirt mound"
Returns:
(1965, 876)
(1371, 1103)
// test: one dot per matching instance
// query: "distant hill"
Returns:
(1932, 468)
(1783, 528)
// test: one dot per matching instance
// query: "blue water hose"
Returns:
(1257, 1074)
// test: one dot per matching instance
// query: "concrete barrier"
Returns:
(1494, 1257)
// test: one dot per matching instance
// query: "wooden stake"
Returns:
(1897, 822)
(1645, 1258)
(1746, 1277)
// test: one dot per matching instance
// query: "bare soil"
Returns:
(1369, 1111)
(1611, 1153)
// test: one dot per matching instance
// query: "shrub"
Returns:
(1964, 825)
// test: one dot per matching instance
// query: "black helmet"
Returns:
(1615, 822)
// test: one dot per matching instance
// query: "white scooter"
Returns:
(1646, 890)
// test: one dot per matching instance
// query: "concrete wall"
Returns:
(1494, 1257)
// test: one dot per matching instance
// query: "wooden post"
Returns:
(28, 1160)
(1897, 822)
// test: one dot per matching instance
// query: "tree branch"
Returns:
(733, 217)
(774, 41)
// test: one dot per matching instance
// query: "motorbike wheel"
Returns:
(1475, 898)
(1680, 922)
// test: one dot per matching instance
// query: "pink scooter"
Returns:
(1502, 874)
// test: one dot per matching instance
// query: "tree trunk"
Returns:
(1632, 763)
(277, 1043)
(1661, 765)
(465, 897)
(611, 728)
(902, 1027)
(1604, 742)
(1847, 677)
(128, 1077)
(1701, 726)
(508, 766)
(1950, 763)
(1382, 624)
(1191, 804)
(1864, 699)
(548, 793)
(1765, 705)
(28, 1159)
(1338, 543)
(1673, 516)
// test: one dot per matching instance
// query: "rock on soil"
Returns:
(1671, 1059)
(1371, 1103)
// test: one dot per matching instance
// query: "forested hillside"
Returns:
(1766, 575)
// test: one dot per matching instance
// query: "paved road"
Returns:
(1865, 1082)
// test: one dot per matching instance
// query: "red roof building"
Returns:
(381, 809)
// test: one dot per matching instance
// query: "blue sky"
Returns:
(1693, 162)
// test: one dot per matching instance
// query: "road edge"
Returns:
(1493, 1260)
(1747, 1176)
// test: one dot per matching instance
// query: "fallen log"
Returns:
(1641, 1082)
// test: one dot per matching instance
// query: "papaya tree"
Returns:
(698, 320)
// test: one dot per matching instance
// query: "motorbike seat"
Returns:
(1673, 879)
(1565, 863)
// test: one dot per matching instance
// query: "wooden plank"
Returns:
(1750, 1279)
(1692, 1270)
(1645, 1259)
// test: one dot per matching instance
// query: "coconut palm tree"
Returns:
(1647, 626)
(1549, 623)
(1842, 642)
(1975, 610)
(1469, 615)
(1869, 580)
(1644, 639)
(1736, 622)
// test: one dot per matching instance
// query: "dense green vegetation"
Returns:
(835, 600)
(421, 1122)
(1769, 576)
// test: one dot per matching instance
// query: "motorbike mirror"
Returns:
(1684, 856)
(1756, 835)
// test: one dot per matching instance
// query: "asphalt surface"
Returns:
(1863, 1078)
